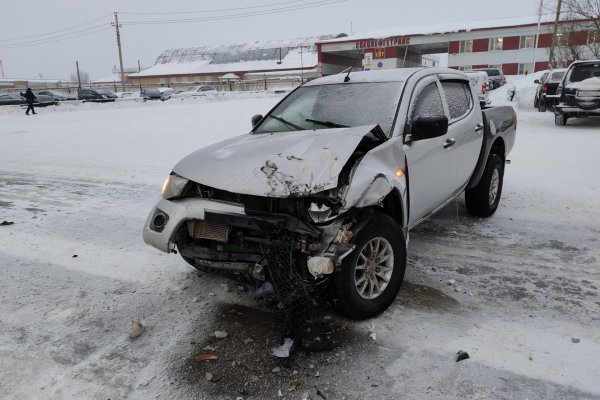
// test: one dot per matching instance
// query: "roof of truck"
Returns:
(384, 75)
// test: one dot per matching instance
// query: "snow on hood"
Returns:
(279, 164)
(590, 83)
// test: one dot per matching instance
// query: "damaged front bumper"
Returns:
(223, 236)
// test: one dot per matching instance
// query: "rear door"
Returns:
(431, 173)
(465, 129)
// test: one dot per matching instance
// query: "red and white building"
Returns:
(512, 44)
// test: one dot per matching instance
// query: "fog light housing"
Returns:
(159, 221)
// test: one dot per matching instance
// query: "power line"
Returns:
(51, 38)
(239, 15)
(211, 11)
(51, 33)
(45, 41)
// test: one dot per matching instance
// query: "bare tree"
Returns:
(579, 31)
(85, 77)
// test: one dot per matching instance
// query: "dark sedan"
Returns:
(96, 95)
(11, 99)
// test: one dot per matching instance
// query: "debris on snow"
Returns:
(462, 355)
(137, 328)
(248, 341)
(276, 370)
(451, 282)
(575, 340)
(264, 290)
(372, 333)
(209, 376)
(220, 334)
(206, 357)
(283, 351)
(75, 256)
(6, 223)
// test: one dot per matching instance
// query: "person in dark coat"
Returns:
(30, 98)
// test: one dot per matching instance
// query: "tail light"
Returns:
(515, 119)
(545, 88)
(483, 88)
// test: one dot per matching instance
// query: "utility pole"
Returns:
(558, 7)
(78, 77)
(116, 25)
(537, 35)
(2, 69)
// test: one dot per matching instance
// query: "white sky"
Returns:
(97, 52)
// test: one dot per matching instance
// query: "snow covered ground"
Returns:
(78, 182)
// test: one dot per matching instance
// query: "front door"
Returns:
(430, 165)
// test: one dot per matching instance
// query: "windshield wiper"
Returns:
(286, 122)
(326, 123)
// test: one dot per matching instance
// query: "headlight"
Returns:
(173, 186)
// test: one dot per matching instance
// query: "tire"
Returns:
(357, 295)
(542, 107)
(536, 103)
(560, 119)
(483, 199)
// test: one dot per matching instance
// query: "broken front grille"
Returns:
(206, 230)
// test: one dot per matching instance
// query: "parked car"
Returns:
(326, 186)
(58, 96)
(547, 86)
(194, 91)
(496, 76)
(578, 94)
(155, 94)
(7, 99)
(11, 99)
(96, 95)
(479, 83)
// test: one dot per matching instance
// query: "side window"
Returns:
(428, 102)
(458, 97)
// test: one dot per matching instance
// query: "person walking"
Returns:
(30, 98)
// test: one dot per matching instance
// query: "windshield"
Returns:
(557, 76)
(327, 106)
(492, 72)
(106, 93)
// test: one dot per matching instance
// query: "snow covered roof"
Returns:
(450, 27)
(256, 56)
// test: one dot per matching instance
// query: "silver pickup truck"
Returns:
(325, 188)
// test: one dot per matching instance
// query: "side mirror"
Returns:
(537, 81)
(256, 119)
(428, 127)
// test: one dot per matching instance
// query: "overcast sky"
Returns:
(97, 50)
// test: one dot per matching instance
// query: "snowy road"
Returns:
(79, 181)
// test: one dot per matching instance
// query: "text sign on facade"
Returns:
(389, 42)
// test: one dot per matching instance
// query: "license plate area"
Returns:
(588, 93)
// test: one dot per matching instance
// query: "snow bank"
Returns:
(525, 91)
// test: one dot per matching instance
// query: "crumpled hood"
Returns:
(280, 164)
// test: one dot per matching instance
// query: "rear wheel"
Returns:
(483, 199)
(371, 276)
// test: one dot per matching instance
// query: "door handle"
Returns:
(449, 143)
(478, 127)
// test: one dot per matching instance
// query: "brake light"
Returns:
(483, 88)
(545, 88)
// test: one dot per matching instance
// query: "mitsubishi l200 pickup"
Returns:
(325, 188)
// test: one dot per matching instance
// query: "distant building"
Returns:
(511, 44)
(274, 59)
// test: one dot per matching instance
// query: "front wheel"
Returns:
(371, 276)
(483, 199)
